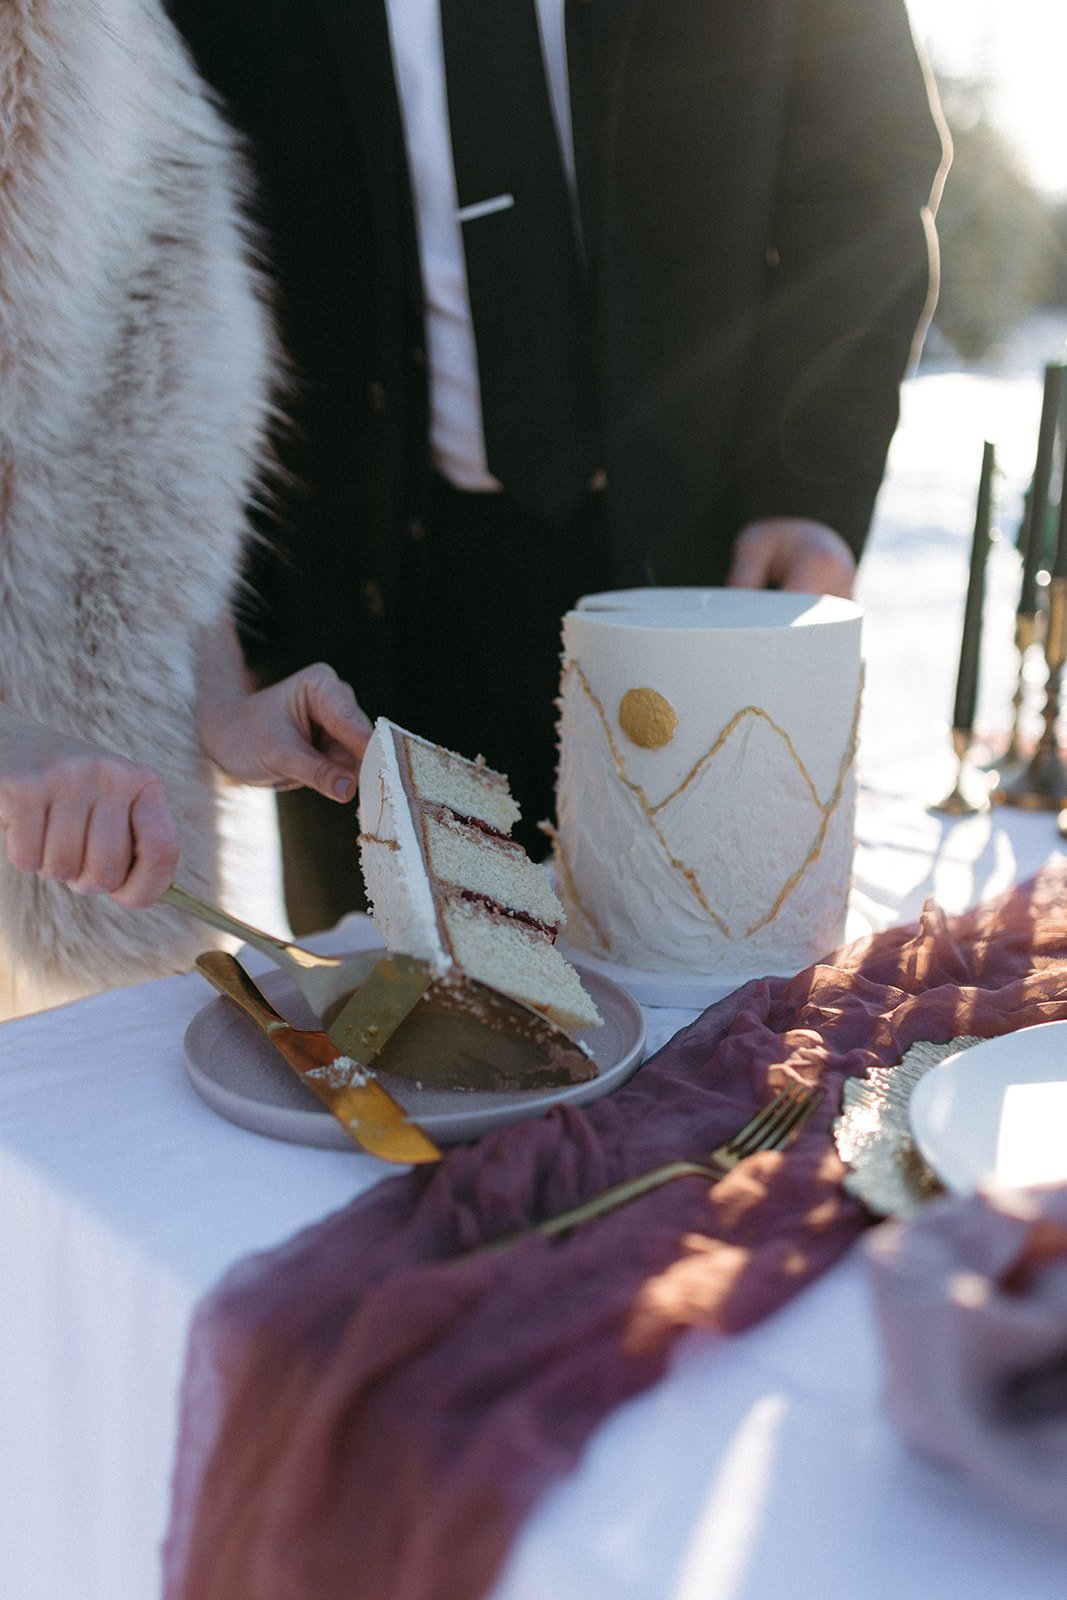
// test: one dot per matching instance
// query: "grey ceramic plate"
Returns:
(234, 1068)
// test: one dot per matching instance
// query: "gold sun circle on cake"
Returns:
(648, 718)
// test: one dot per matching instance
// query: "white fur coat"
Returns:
(134, 381)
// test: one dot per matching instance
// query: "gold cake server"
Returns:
(324, 981)
(367, 1112)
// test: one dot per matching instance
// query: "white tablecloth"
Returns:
(760, 1469)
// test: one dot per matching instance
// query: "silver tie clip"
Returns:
(485, 208)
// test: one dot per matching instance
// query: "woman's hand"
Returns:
(74, 812)
(307, 730)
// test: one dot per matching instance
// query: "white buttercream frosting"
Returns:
(727, 847)
(397, 887)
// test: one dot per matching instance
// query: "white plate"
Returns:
(996, 1114)
(241, 1076)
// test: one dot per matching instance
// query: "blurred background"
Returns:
(1003, 218)
(1001, 316)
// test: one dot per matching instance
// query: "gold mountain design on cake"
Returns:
(792, 828)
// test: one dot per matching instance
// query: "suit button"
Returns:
(376, 396)
(418, 356)
(415, 530)
(372, 598)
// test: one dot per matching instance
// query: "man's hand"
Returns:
(74, 812)
(307, 730)
(790, 553)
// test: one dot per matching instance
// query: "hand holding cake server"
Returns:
(98, 822)
(138, 377)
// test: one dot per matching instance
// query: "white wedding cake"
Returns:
(706, 787)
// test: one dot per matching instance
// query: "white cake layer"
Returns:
(397, 887)
(466, 858)
(470, 788)
(520, 962)
(727, 847)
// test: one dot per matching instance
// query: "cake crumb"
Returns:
(340, 1073)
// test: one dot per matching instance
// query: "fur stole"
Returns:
(135, 372)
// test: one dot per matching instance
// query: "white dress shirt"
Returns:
(456, 436)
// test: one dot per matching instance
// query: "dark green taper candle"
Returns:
(1034, 551)
(1059, 564)
(970, 643)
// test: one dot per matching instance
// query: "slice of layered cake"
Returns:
(447, 885)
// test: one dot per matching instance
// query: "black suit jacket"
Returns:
(754, 178)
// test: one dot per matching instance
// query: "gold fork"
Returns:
(770, 1129)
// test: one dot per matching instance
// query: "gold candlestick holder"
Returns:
(963, 800)
(1012, 758)
(1042, 784)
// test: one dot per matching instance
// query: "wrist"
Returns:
(215, 720)
(221, 692)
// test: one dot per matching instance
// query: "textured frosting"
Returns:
(401, 899)
(726, 849)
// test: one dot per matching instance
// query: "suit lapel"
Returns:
(358, 31)
(599, 33)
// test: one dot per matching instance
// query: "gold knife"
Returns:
(367, 1112)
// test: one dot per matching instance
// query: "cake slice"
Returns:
(446, 883)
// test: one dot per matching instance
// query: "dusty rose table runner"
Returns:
(369, 1414)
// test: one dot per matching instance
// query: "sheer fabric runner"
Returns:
(368, 1413)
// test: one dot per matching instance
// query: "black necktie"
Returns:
(529, 298)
